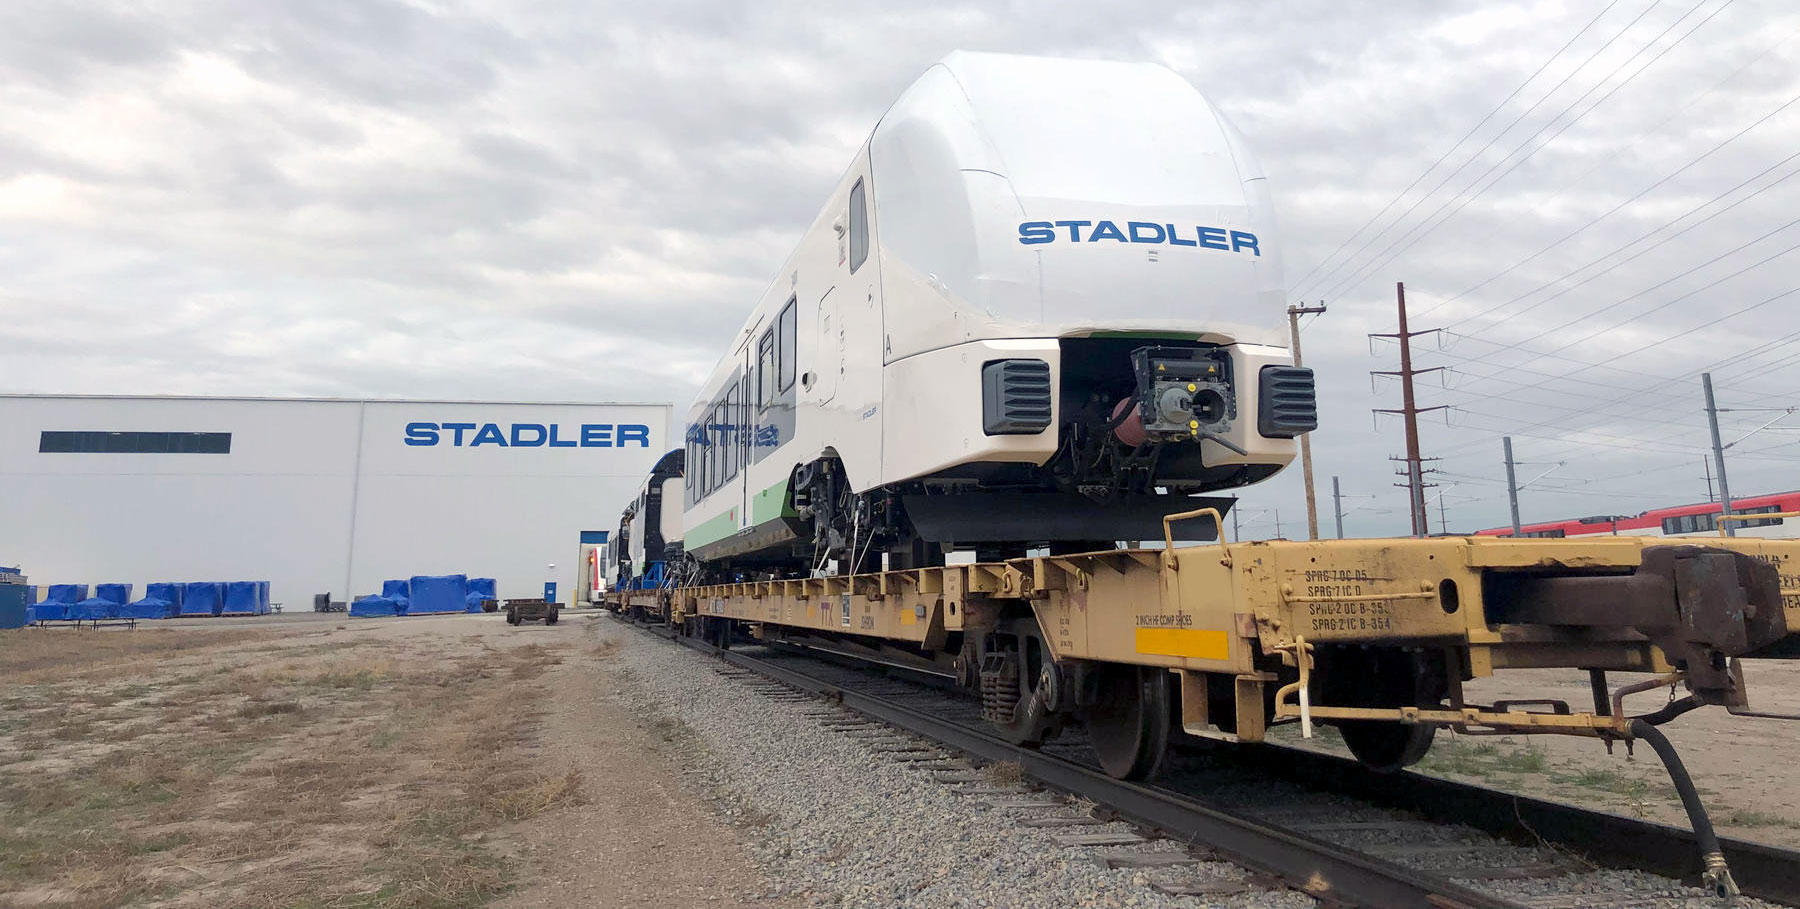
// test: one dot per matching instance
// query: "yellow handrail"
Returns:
(1170, 519)
(1752, 516)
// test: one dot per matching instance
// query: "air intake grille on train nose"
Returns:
(1015, 397)
(1287, 404)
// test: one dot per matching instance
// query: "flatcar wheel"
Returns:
(1129, 726)
(1381, 677)
(1386, 747)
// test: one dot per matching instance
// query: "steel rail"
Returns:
(1604, 838)
(1763, 871)
(1325, 871)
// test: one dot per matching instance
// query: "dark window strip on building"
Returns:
(59, 442)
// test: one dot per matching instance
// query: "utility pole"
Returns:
(1712, 417)
(1337, 506)
(1306, 471)
(1409, 410)
(1236, 537)
(1443, 522)
(1512, 484)
(1704, 462)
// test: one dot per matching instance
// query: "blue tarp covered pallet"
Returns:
(59, 602)
(373, 606)
(106, 603)
(93, 609)
(161, 601)
(242, 598)
(202, 598)
(480, 589)
(263, 607)
(150, 607)
(398, 591)
(438, 593)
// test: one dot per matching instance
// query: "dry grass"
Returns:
(1005, 773)
(42, 656)
(352, 775)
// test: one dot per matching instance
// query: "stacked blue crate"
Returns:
(59, 602)
(438, 593)
(202, 598)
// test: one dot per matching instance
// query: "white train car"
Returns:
(1039, 309)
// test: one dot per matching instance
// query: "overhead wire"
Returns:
(1640, 253)
(1459, 143)
(1606, 161)
(1407, 240)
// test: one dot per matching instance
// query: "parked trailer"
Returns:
(536, 609)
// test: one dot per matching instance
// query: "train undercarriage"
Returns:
(1374, 637)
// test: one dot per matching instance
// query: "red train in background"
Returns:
(1676, 521)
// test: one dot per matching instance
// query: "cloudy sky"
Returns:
(579, 200)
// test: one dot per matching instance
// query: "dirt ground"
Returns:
(1747, 770)
(317, 761)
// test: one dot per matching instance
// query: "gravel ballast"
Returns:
(845, 811)
(842, 824)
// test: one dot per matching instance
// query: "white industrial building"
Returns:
(314, 495)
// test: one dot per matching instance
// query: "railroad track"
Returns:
(1293, 840)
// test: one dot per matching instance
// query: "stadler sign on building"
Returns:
(315, 495)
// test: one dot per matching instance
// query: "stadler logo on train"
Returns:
(528, 435)
(1032, 233)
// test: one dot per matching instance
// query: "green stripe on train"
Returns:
(711, 530)
(765, 506)
(771, 503)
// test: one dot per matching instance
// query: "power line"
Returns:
(1658, 343)
(1490, 143)
(1634, 256)
(1605, 161)
(1745, 358)
(1404, 243)
(1459, 143)
(1658, 285)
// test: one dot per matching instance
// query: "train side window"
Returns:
(784, 356)
(859, 227)
(765, 370)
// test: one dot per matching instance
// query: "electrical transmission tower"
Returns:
(1409, 411)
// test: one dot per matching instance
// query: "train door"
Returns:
(830, 348)
(743, 420)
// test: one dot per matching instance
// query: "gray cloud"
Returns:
(575, 200)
